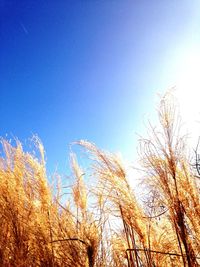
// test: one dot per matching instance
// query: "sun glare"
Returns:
(188, 91)
(188, 80)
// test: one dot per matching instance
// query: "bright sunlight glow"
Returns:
(188, 91)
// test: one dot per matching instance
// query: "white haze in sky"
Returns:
(188, 93)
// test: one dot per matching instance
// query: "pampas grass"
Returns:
(102, 223)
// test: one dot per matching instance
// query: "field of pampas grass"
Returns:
(103, 223)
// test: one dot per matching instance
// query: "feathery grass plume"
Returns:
(119, 246)
(113, 185)
(22, 185)
(87, 228)
(77, 232)
(164, 159)
(79, 190)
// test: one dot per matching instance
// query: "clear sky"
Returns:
(89, 69)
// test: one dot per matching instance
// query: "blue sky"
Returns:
(88, 69)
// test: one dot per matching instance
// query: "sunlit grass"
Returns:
(102, 222)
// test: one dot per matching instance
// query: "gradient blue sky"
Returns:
(88, 69)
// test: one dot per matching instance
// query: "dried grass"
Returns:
(103, 223)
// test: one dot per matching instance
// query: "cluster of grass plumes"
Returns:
(36, 228)
(102, 223)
